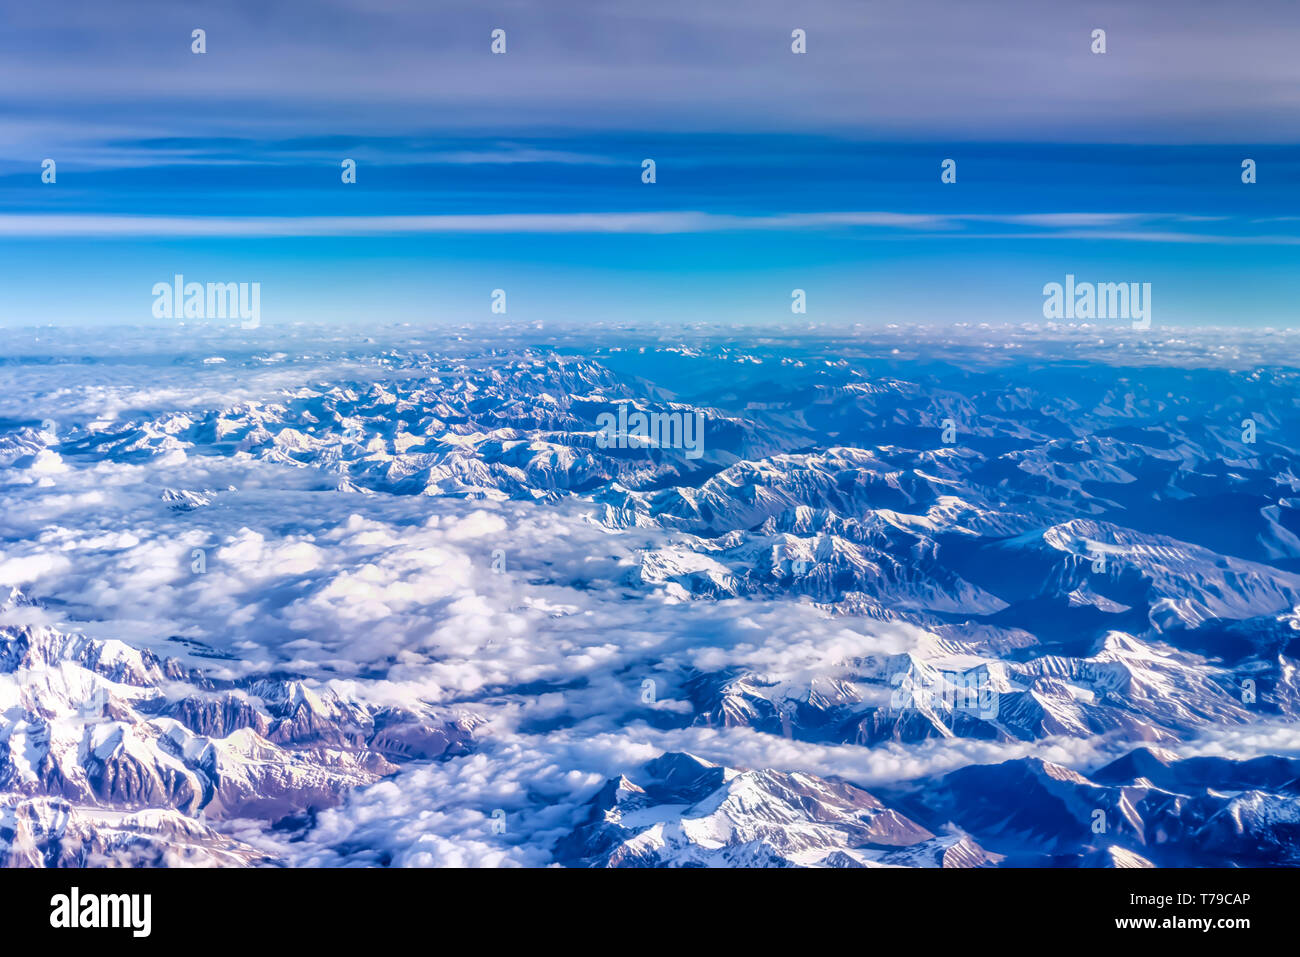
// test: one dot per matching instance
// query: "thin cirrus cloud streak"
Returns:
(923, 68)
(1153, 236)
(1052, 225)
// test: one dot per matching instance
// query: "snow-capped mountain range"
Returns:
(394, 599)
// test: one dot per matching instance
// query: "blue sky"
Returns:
(775, 171)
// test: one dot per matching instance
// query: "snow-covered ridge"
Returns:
(96, 731)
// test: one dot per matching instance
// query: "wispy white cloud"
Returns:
(1064, 225)
(928, 67)
(686, 221)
